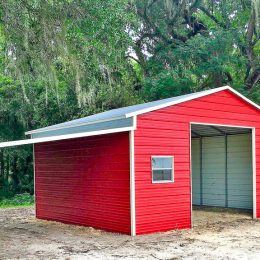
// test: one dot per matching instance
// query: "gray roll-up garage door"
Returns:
(211, 186)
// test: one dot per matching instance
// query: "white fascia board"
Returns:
(243, 97)
(45, 129)
(64, 137)
(195, 96)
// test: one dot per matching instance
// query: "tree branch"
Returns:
(212, 17)
(253, 79)
(133, 58)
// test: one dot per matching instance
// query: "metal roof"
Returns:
(110, 114)
(117, 120)
(130, 111)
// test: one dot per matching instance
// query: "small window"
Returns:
(162, 169)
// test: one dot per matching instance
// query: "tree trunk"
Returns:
(1, 168)
(15, 173)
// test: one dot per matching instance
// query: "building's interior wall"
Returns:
(210, 188)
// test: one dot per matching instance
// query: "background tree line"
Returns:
(65, 59)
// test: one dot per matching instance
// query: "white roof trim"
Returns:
(63, 137)
(195, 96)
(45, 129)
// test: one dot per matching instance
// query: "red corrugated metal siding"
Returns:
(161, 207)
(85, 181)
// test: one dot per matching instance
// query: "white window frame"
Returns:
(172, 173)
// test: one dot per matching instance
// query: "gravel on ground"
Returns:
(217, 234)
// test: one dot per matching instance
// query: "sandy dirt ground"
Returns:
(216, 235)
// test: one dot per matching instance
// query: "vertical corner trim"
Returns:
(132, 183)
(191, 213)
(254, 170)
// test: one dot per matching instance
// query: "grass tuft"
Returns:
(18, 200)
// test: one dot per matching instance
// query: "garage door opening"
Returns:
(222, 169)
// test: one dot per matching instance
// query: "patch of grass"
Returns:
(18, 200)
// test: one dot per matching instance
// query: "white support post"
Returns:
(132, 183)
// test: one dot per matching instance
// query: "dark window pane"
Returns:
(167, 175)
(157, 175)
(162, 175)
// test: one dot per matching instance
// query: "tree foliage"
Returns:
(64, 59)
(190, 45)
(59, 60)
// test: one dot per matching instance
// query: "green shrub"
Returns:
(24, 199)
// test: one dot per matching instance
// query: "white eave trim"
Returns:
(47, 129)
(195, 96)
(64, 137)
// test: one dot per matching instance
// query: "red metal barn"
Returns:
(139, 169)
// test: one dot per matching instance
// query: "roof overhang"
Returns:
(64, 137)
